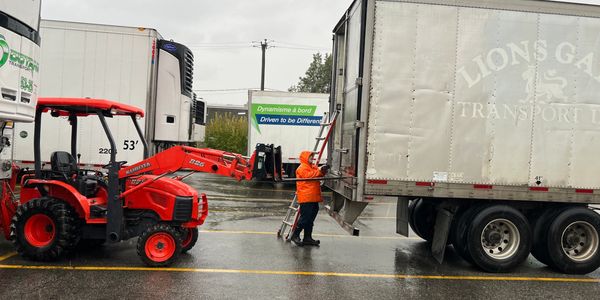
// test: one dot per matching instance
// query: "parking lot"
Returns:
(238, 256)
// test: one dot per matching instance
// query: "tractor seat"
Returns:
(63, 162)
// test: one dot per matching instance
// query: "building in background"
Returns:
(213, 110)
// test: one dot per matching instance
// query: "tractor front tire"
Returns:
(43, 229)
(189, 238)
(159, 245)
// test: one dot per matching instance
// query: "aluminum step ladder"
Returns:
(288, 225)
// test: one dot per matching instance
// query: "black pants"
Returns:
(308, 214)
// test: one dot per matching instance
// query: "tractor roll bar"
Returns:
(73, 121)
(36, 142)
(139, 131)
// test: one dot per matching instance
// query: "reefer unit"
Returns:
(127, 64)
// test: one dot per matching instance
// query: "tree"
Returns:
(317, 78)
(227, 132)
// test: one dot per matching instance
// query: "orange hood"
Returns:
(304, 155)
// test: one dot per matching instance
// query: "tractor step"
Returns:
(98, 211)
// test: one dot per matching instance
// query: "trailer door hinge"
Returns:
(359, 124)
(359, 81)
(343, 150)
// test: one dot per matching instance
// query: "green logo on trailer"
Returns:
(5, 51)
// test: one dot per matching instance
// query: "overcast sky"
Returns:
(220, 34)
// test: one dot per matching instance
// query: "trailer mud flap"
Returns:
(440, 235)
(402, 216)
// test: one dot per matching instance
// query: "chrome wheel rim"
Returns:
(579, 241)
(500, 239)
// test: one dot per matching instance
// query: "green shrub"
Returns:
(228, 132)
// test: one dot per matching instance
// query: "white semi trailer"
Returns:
(481, 117)
(127, 64)
(19, 71)
(288, 119)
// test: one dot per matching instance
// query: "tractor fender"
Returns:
(59, 190)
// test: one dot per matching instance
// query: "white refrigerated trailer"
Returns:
(19, 71)
(127, 64)
(481, 117)
(288, 119)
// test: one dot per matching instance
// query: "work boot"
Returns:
(308, 240)
(311, 242)
(296, 238)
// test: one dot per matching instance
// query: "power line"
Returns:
(289, 44)
(231, 90)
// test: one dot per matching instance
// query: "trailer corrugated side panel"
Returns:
(484, 96)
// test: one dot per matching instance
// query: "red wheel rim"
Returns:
(39, 230)
(188, 238)
(160, 247)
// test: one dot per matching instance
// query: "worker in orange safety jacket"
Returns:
(308, 194)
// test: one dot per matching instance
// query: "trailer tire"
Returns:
(458, 231)
(499, 238)
(573, 241)
(43, 229)
(423, 219)
(411, 219)
(539, 249)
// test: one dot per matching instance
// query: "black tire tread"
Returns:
(152, 230)
(474, 248)
(195, 234)
(65, 223)
(559, 260)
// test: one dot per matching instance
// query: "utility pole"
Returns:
(264, 45)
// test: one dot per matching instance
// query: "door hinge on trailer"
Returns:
(359, 81)
(359, 124)
(343, 150)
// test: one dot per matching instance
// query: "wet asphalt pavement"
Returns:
(239, 257)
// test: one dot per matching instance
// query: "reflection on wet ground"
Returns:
(239, 257)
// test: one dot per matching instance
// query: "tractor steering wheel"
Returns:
(120, 163)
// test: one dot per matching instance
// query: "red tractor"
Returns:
(62, 206)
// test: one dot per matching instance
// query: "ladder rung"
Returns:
(320, 138)
(294, 208)
(288, 223)
(325, 124)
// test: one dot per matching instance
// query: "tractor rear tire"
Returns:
(159, 245)
(189, 238)
(43, 229)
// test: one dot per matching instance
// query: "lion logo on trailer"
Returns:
(547, 86)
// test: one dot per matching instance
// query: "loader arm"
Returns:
(179, 158)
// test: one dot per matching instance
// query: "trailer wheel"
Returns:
(159, 245)
(411, 219)
(573, 241)
(539, 249)
(43, 229)
(189, 238)
(423, 219)
(458, 231)
(499, 238)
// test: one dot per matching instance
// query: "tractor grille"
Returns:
(183, 208)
